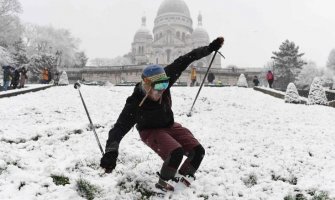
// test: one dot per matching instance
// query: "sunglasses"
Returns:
(160, 85)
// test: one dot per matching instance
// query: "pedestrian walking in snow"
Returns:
(15, 79)
(45, 76)
(255, 81)
(149, 107)
(269, 77)
(23, 77)
(7, 76)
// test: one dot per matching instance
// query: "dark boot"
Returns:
(163, 185)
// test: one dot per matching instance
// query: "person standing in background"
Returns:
(269, 77)
(255, 81)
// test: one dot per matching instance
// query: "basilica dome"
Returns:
(173, 6)
(143, 33)
(200, 34)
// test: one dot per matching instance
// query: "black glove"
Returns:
(216, 44)
(108, 161)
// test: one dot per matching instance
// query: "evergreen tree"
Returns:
(317, 94)
(292, 95)
(63, 79)
(287, 63)
(242, 81)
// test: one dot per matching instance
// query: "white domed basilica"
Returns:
(173, 35)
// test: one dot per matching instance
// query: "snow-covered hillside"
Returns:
(257, 147)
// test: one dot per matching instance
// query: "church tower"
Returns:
(173, 36)
(141, 46)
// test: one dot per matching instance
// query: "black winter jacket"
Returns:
(152, 114)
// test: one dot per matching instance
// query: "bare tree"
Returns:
(331, 61)
(9, 7)
(306, 75)
(48, 40)
(10, 25)
(5, 57)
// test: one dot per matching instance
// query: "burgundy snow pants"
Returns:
(171, 144)
(163, 141)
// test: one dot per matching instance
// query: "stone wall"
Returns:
(330, 95)
(272, 92)
(132, 73)
(332, 104)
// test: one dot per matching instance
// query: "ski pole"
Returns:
(221, 55)
(202, 83)
(77, 86)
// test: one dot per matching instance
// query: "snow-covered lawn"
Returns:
(257, 147)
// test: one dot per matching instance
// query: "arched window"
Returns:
(178, 34)
(168, 55)
(183, 36)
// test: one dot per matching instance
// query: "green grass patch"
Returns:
(87, 190)
(250, 180)
(60, 180)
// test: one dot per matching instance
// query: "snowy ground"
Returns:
(257, 147)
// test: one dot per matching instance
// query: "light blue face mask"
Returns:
(160, 85)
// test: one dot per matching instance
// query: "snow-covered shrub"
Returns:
(317, 94)
(63, 79)
(107, 83)
(242, 81)
(292, 95)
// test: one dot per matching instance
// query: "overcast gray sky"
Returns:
(252, 28)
